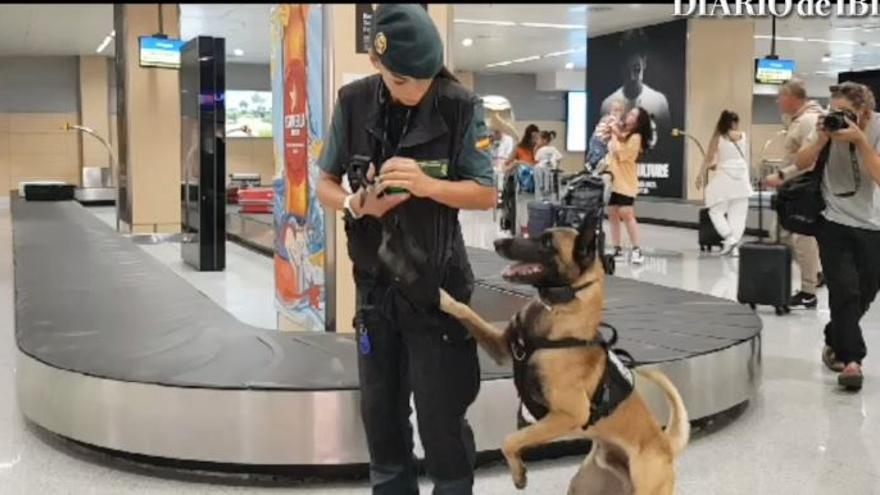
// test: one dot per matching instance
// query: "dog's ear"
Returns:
(585, 243)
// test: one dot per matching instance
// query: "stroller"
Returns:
(587, 194)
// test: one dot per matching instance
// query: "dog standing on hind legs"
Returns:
(566, 367)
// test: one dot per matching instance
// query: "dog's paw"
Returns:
(520, 480)
(517, 468)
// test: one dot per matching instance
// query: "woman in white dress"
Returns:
(728, 192)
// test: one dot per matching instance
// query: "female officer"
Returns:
(410, 118)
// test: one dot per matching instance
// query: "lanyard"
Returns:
(857, 174)
(403, 131)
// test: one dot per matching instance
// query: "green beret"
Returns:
(406, 40)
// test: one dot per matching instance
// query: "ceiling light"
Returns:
(467, 42)
(104, 44)
(238, 52)
(569, 65)
(554, 26)
(838, 42)
(779, 38)
(526, 59)
(484, 23)
(559, 54)
(499, 64)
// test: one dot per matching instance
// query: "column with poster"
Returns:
(645, 67)
(297, 77)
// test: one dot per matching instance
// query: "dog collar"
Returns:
(560, 294)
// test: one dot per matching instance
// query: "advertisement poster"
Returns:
(645, 67)
(297, 74)
(248, 113)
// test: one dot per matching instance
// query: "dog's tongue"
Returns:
(522, 269)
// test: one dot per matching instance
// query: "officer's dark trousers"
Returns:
(851, 263)
(508, 204)
(441, 370)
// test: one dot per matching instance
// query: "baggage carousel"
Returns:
(118, 352)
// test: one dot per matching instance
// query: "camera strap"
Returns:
(857, 175)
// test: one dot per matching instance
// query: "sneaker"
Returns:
(831, 361)
(820, 280)
(851, 378)
(636, 257)
(618, 253)
(804, 299)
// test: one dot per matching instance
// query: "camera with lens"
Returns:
(836, 120)
(357, 175)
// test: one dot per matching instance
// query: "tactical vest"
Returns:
(434, 132)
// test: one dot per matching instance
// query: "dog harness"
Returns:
(616, 385)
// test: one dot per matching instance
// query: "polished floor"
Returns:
(800, 435)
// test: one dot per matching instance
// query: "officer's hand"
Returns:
(406, 173)
(371, 201)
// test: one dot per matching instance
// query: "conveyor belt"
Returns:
(118, 351)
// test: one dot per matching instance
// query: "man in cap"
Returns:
(428, 150)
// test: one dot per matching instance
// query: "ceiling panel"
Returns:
(45, 29)
(77, 29)
(244, 26)
(499, 43)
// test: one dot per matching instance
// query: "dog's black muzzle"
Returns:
(524, 250)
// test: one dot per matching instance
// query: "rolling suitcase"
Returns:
(765, 270)
(709, 236)
(542, 216)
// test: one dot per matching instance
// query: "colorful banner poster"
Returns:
(297, 82)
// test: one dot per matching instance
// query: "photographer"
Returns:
(410, 118)
(849, 230)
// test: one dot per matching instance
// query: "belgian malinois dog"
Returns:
(631, 453)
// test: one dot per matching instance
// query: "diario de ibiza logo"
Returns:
(784, 8)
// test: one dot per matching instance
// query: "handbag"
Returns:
(731, 173)
(799, 203)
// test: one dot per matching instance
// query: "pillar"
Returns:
(148, 113)
(348, 64)
(94, 112)
(716, 83)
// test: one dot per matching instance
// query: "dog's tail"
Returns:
(678, 430)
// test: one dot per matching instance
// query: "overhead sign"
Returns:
(774, 71)
(160, 52)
